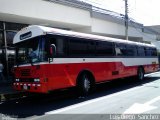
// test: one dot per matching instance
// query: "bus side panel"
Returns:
(59, 76)
(151, 68)
(65, 75)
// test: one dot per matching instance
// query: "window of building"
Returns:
(14, 26)
(1, 39)
(9, 37)
(10, 29)
(1, 44)
(1, 25)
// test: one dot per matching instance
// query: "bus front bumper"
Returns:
(30, 87)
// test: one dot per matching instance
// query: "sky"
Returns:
(146, 12)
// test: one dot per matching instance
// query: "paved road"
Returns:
(117, 97)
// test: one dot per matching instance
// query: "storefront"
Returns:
(7, 53)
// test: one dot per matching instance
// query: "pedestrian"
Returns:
(1, 71)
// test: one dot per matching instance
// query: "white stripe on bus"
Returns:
(125, 61)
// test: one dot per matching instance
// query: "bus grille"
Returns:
(25, 72)
(26, 80)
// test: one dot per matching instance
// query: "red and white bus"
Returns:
(50, 59)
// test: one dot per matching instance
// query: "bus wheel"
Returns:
(84, 85)
(140, 74)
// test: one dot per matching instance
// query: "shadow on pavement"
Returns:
(38, 105)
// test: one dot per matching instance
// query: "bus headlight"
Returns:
(17, 80)
(36, 80)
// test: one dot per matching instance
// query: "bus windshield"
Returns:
(31, 51)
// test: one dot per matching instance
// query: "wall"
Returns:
(56, 15)
(40, 10)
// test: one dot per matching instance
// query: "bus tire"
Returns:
(84, 84)
(140, 74)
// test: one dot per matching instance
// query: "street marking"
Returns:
(60, 111)
(138, 108)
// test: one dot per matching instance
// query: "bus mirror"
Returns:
(52, 50)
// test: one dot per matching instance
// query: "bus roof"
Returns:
(35, 30)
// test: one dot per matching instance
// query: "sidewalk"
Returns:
(7, 92)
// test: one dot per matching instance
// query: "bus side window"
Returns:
(150, 51)
(147, 51)
(140, 51)
(104, 48)
(77, 47)
(131, 50)
(59, 43)
(60, 46)
(91, 50)
(154, 52)
(120, 49)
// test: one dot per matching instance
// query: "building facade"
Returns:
(7, 53)
(66, 14)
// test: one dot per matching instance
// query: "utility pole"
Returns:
(5, 49)
(126, 19)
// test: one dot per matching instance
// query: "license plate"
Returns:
(25, 87)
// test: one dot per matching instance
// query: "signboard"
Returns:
(25, 35)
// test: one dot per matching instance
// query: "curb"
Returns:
(11, 96)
